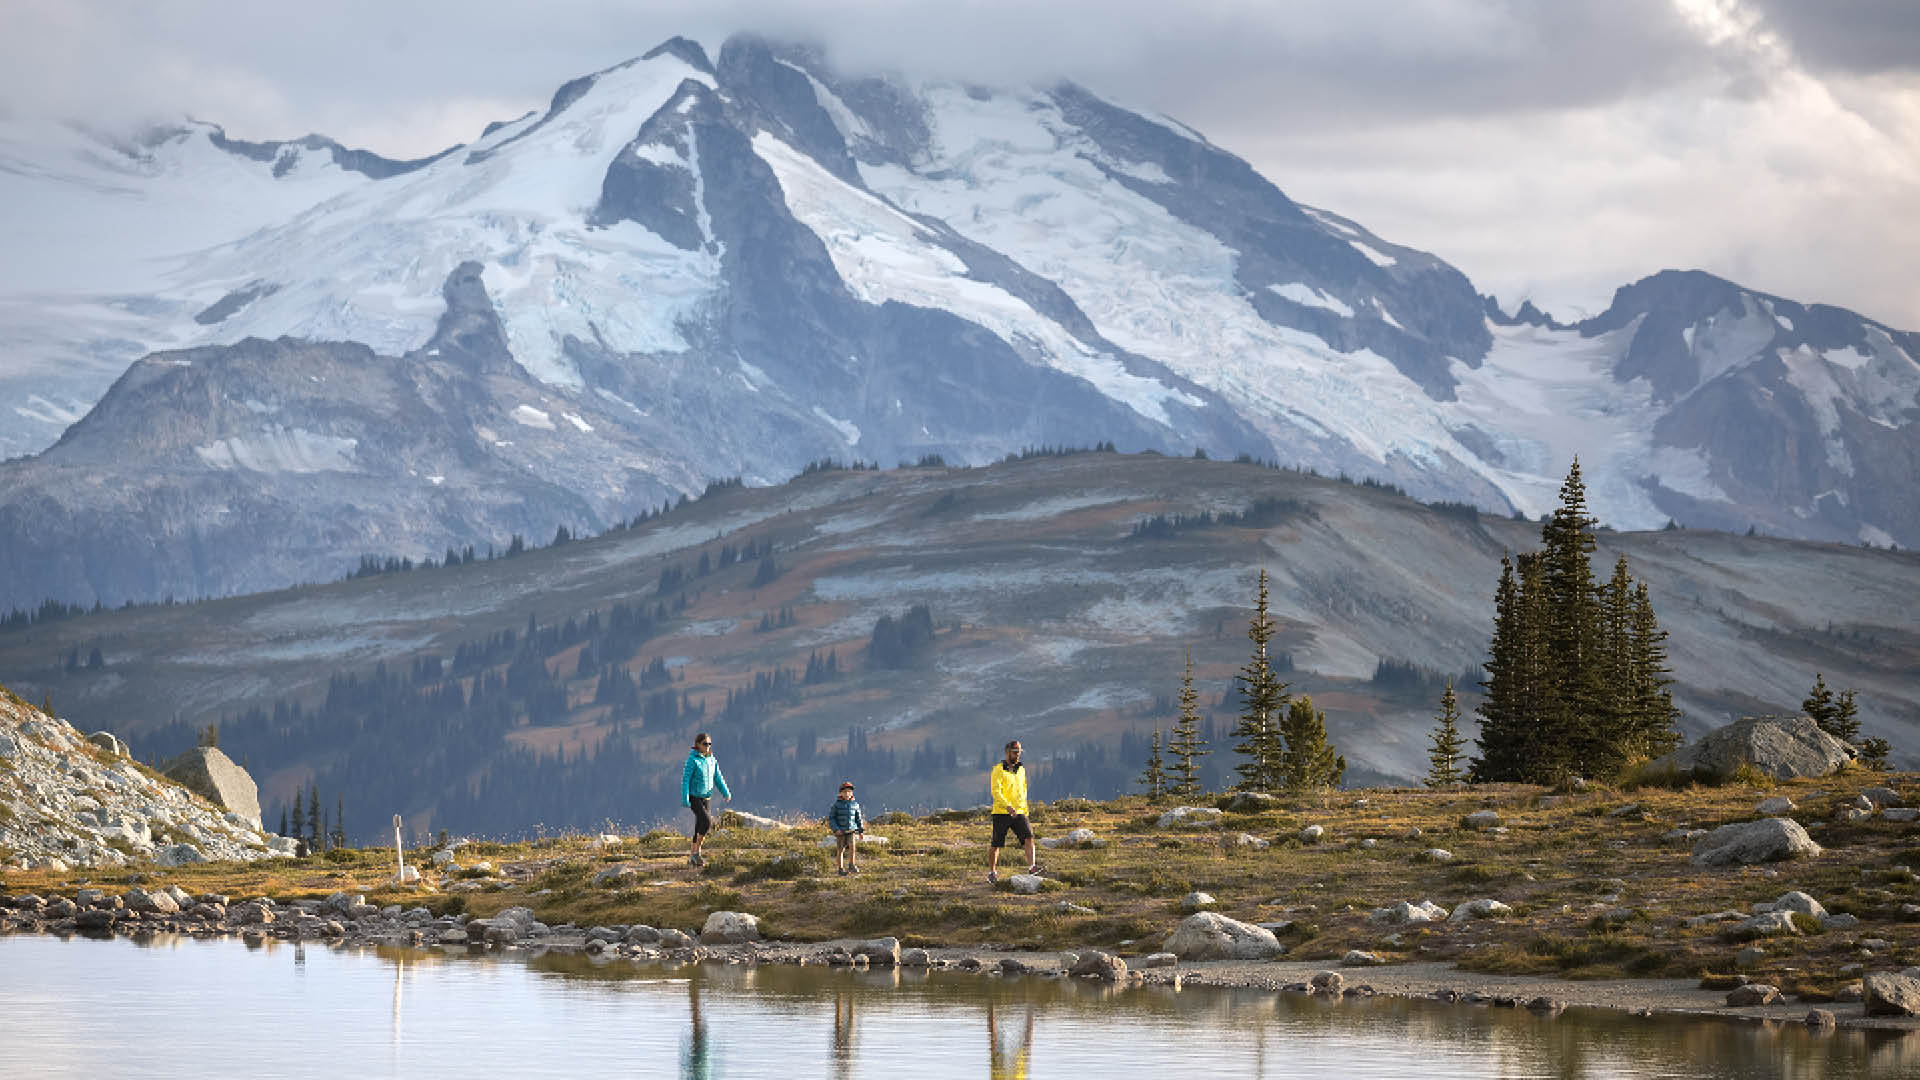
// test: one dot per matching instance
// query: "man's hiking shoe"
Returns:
(992, 877)
(1036, 868)
(853, 869)
(844, 871)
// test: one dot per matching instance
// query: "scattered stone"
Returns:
(755, 821)
(1820, 1020)
(1159, 960)
(1748, 842)
(1682, 837)
(1189, 817)
(1697, 921)
(614, 876)
(882, 952)
(1405, 913)
(1361, 958)
(1749, 956)
(730, 928)
(916, 958)
(1882, 797)
(1482, 819)
(1545, 1004)
(1312, 834)
(1078, 838)
(108, 741)
(1369, 843)
(1010, 966)
(1434, 855)
(1901, 813)
(1888, 994)
(1754, 994)
(1794, 901)
(1774, 807)
(1765, 924)
(1327, 982)
(1248, 840)
(675, 939)
(1250, 802)
(642, 935)
(1485, 908)
(1630, 810)
(1027, 884)
(1197, 901)
(1209, 935)
(1099, 965)
(150, 903)
(1068, 907)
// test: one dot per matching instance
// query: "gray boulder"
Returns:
(108, 741)
(1327, 982)
(207, 772)
(1250, 802)
(1754, 994)
(150, 903)
(1209, 935)
(1783, 747)
(1159, 960)
(1189, 817)
(1099, 965)
(1774, 807)
(1482, 819)
(1746, 842)
(1026, 883)
(1484, 908)
(1197, 901)
(1888, 994)
(730, 928)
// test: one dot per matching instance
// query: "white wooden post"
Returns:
(399, 857)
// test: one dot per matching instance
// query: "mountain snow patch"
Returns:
(1308, 296)
(848, 429)
(283, 450)
(532, 417)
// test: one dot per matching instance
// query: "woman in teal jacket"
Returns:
(697, 784)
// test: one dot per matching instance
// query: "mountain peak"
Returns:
(687, 49)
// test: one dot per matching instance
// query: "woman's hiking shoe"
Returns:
(1036, 868)
(992, 877)
(696, 860)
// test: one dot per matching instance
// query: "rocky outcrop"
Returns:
(730, 928)
(62, 805)
(1888, 994)
(214, 776)
(1783, 747)
(1747, 842)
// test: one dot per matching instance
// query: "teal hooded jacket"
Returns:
(701, 776)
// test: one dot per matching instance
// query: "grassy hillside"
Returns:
(1050, 598)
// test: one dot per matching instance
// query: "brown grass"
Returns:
(1554, 866)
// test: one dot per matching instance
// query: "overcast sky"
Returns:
(1552, 149)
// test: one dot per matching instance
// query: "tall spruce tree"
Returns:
(283, 821)
(1308, 762)
(1154, 779)
(1574, 712)
(1818, 705)
(1444, 753)
(1502, 719)
(1652, 720)
(339, 835)
(299, 820)
(1185, 743)
(314, 825)
(1263, 701)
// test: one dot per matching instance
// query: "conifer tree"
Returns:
(1652, 721)
(1155, 778)
(1846, 719)
(1308, 762)
(1263, 704)
(1573, 707)
(1819, 703)
(1185, 743)
(1444, 754)
(314, 825)
(1501, 716)
(283, 822)
(339, 836)
(299, 820)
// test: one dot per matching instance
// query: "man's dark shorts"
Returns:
(1015, 823)
(702, 824)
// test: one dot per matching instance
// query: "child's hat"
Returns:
(846, 785)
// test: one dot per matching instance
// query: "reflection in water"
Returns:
(70, 1009)
(696, 1056)
(1009, 1062)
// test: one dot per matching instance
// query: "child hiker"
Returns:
(848, 826)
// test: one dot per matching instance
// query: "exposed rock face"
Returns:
(1746, 842)
(207, 772)
(1208, 935)
(61, 806)
(108, 741)
(1784, 747)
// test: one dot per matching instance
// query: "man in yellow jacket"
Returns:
(1008, 783)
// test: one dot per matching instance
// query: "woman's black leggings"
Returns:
(702, 824)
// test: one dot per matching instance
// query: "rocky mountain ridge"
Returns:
(701, 268)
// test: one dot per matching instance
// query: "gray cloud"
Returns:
(1547, 148)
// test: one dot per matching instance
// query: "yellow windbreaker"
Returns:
(1009, 789)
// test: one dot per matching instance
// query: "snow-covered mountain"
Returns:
(692, 269)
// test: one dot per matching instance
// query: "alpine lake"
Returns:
(170, 1006)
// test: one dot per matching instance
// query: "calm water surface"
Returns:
(176, 1007)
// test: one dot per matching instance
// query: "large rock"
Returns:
(207, 772)
(1099, 965)
(1189, 817)
(880, 952)
(1746, 842)
(1209, 935)
(730, 928)
(1784, 747)
(1888, 994)
(108, 741)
